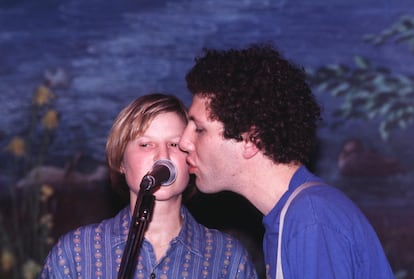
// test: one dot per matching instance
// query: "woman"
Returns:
(175, 245)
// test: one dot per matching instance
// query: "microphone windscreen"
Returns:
(168, 167)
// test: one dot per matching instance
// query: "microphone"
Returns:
(163, 173)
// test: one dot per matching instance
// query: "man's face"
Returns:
(210, 157)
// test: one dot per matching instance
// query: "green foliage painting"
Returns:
(372, 92)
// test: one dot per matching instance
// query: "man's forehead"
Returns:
(201, 99)
(198, 107)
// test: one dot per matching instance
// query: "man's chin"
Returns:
(206, 190)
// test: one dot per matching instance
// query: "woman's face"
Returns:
(159, 141)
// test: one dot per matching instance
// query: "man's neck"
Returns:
(267, 183)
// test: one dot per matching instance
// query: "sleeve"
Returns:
(47, 269)
(246, 268)
(56, 264)
(241, 265)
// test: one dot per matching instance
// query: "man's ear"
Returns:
(249, 145)
(122, 169)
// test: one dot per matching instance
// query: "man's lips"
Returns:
(191, 166)
(192, 169)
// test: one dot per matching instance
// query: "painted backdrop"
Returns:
(68, 67)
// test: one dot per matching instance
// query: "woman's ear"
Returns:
(122, 169)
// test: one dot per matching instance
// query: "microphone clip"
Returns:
(148, 183)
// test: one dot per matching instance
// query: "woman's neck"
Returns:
(165, 225)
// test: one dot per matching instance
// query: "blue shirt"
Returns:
(324, 236)
(95, 251)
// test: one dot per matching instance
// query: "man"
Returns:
(252, 129)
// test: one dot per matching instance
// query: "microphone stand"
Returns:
(139, 222)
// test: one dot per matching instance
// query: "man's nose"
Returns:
(185, 141)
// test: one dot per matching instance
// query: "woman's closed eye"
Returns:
(174, 144)
(145, 145)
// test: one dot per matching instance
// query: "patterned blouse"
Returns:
(95, 251)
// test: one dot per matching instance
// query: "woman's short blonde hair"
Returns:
(133, 121)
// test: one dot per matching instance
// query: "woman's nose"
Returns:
(163, 152)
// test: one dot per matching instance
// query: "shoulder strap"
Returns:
(279, 271)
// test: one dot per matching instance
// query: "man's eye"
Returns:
(143, 144)
(174, 144)
(199, 130)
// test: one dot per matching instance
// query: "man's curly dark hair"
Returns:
(256, 90)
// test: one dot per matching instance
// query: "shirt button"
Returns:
(153, 275)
